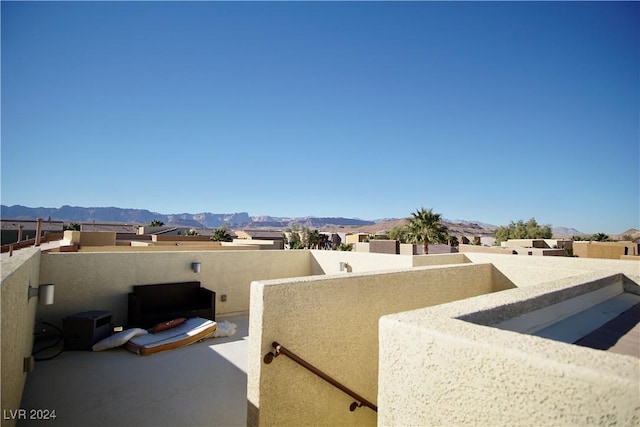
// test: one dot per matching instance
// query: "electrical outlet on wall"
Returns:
(223, 297)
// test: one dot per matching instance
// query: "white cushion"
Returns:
(118, 339)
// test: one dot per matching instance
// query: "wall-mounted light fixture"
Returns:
(344, 266)
(195, 266)
(43, 292)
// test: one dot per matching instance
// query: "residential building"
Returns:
(608, 250)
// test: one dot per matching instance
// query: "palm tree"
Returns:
(156, 223)
(426, 227)
(314, 239)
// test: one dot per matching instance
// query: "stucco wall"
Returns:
(355, 238)
(608, 250)
(531, 271)
(384, 246)
(332, 322)
(485, 249)
(439, 259)
(18, 319)
(328, 262)
(443, 371)
(163, 247)
(91, 238)
(101, 281)
(408, 249)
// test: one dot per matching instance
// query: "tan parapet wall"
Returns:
(408, 249)
(102, 280)
(525, 243)
(174, 238)
(607, 250)
(163, 248)
(439, 259)
(356, 238)
(90, 238)
(441, 370)
(360, 247)
(17, 325)
(331, 262)
(332, 322)
(527, 271)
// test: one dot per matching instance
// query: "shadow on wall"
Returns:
(499, 281)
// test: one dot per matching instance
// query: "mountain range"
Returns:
(239, 220)
(199, 220)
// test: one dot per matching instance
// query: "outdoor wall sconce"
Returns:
(43, 292)
(195, 266)
(344, 266)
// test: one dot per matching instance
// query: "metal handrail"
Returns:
(359, 400)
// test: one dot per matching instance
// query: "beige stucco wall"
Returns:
(332, 322)
(183, 238)
(355, 238)
(531, 271)
(608, 250)
(525, 243)
(328, 262)
(439, 259)
(17, 325)
(102, 280)
(164, 247)
(408, 249)
(485, 249)
(91, 238)
(439, 370)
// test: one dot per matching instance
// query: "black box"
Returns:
(83, 330)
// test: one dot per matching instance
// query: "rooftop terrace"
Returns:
(412, 334)
(203, 384)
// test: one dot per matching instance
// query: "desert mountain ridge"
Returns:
(242, 220)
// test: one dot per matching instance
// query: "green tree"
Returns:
(426, 227)
(192, 232)
(313, 239)
(294, 238)
(345, 247)
(400, 233)
(156, 223)
(523, 230)
(221, 234)
(600, 237)
(71, 226)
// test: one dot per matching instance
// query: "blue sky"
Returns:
(487, 111)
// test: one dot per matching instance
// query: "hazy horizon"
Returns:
(253, 215)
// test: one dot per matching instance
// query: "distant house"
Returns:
(275, 236)
(109, 226)
(608, 250)
(357, 238)
(26, 228)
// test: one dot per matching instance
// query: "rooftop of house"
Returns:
(28, 224)
(351, 314)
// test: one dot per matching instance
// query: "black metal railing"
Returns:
(359, 400)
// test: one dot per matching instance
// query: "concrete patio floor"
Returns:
(203, 384)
